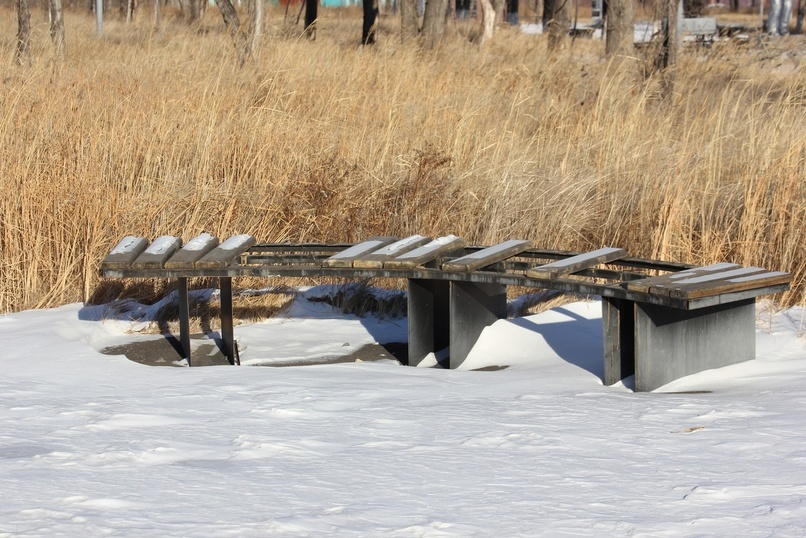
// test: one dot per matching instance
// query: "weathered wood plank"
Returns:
(124, 253)
(346, 257)
(194, 250)
(487, 256)
(645, 285)
(576, 263)
(225, 253)
(750, 278)
(426, 253)
(157, 253)
(375, 260)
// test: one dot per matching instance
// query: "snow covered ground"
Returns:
(97, 445)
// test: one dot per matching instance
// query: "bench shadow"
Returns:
(577, 341)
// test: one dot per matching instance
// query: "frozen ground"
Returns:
(97, 445)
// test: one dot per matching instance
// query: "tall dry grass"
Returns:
(153, 132)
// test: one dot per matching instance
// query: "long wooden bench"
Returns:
(661, 320)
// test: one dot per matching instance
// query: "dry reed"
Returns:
(151, 132)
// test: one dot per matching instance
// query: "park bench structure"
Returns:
(661, 320)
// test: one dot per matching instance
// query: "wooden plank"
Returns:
(487, 256)
(225, 253)
(738, 282)
(157, 253)
(645, 285)
(576, 263)
(125, 252)
(426, 253)
(346, 257)
(194, 250)
(375, 260)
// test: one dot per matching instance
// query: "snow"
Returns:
(235, 242)
(161, 244)
(97, 445)
(199, 242)
(126, 245)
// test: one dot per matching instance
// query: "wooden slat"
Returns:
(738, 281)
(225, 253)
(576, 263)
(487, 256)
(125, 252)
(426, 253)
(375, 260)
(193, 251)
(157, 253)
(346, 257)
(646, 285)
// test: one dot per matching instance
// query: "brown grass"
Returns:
(151, 132)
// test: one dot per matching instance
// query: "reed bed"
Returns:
(160, 131)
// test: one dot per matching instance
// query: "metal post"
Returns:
(428, 318)
(472, 308)
(227, 330)
(184, 318)
(618, 331)
(99, 17)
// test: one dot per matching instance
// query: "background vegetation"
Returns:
(153, 132)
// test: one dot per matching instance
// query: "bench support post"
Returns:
(184, 318)
(472, 308)
(428, 318)
(618, 331)
(671, 343)
(227, 325)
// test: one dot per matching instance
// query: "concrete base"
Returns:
(472, 308)
(618, 329)
(428, 313)
(672, 343)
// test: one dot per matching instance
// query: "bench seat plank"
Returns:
(658, 283)
(125, 252)
(738, 281)
(576, 263)
(487, 256)
(157, 253)
(376, 259)
(225, 253)
(193, 251)
(426, 253)
(346, 257)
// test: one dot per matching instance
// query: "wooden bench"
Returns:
(661, 320)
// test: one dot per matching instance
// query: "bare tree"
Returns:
(556, 21)
(370, 14)
(22, 55)
(619, 39)
(57, 27)
(488, 19)
(434, 19)
(255, 25)
(800, 16)
(409, 28)
(666, 57)
(311, 15)
(230, 16)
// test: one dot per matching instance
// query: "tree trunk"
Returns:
(157, 20)
(409, 28)
(801, 15)
(556, 21)
(195, 10)
(667, 55)
(57, 27)
(311, 14)
(487, 20)
(436, 11)
(370, 14)
(620, 32)
(255, 25)
(22, 55)
(230, 16)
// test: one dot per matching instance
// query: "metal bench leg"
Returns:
(428, 318)
(184, 318)
(672, 343)
(618, 331)
(227, 325)
(472, 308)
